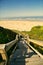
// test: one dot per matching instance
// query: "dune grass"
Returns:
(36, 33)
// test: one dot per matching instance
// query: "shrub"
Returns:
(6, 35)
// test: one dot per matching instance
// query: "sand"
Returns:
(20, 25)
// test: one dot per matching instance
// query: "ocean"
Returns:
(40, 18)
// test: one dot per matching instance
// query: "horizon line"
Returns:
(20, 16)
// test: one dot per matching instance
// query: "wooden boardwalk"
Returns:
(24, 56)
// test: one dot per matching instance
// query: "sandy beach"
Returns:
(20, 25)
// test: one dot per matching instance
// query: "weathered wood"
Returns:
(5, 47)
(4, 55)
(38, 42)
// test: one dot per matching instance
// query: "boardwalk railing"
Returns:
(40, 43)
(5, 48)
(36, 51)
(10, 44)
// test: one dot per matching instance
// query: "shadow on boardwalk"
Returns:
(18, 57)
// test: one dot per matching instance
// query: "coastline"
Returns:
(21, 25)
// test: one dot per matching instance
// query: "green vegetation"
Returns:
(36, 33)
(37, 47)
(6, 35)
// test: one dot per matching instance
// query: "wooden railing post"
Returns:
(4, 55)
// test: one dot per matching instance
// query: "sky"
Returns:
(17, 8)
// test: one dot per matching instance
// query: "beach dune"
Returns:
(20, 25)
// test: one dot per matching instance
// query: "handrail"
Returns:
(10, 44)
(40, 43)
(6, 47)
(36, 51)
(36, 42)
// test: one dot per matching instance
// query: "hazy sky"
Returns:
(15, 8)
